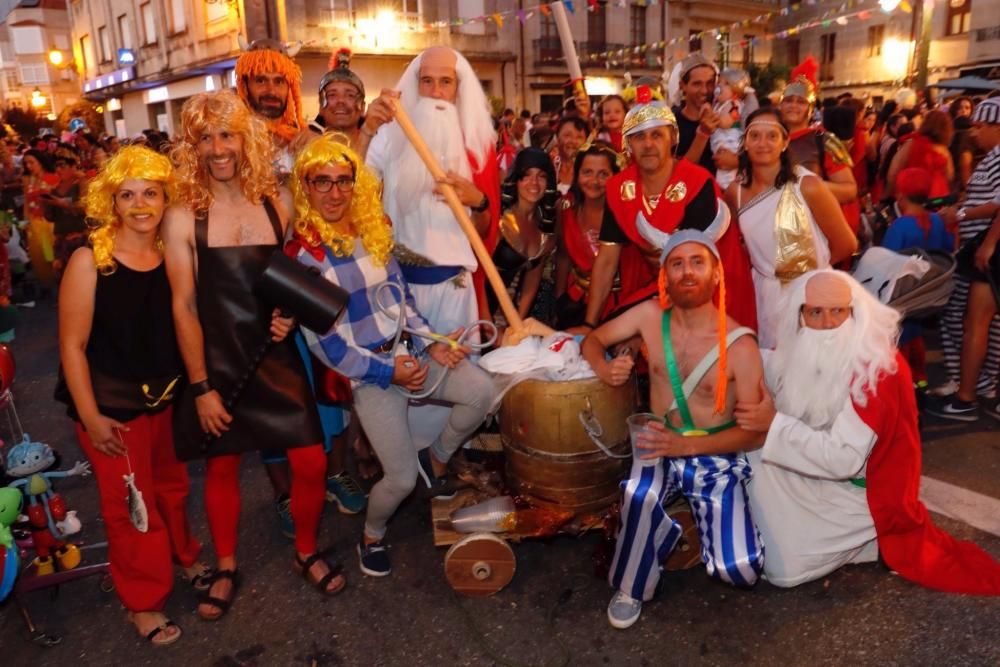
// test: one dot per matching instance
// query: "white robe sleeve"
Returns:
(836, 453)
(375, 159)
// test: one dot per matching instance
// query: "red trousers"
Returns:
(222, 497)
(915, 354)
(141, 566)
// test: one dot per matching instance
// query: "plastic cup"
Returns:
(639, 423)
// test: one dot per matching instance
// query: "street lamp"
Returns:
(37, 99)
(57, 58)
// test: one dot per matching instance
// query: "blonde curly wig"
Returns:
(136, 162)
(222, 110)
(366, 214)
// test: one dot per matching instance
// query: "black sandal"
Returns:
(219, 603)
(203, 580)
(162, 628)
(303, 567)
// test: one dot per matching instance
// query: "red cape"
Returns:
(908, 540)
(486, 177)
(741, 303)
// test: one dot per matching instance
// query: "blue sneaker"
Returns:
(343, 490)
(374, 559)
(284, 508)
(435, 487)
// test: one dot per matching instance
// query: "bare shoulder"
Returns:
(811, 186)
(646, 312)
(285, 204)
(81, 262)
(178, 224)
(730, 193)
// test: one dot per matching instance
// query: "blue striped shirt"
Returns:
(348, 347)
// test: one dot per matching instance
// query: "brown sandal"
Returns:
(303, 567)
(161, 630)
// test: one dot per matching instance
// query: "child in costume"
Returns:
(122, 369)
(734, 102)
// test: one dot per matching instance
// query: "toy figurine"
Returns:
(10, 508)
(50, 523)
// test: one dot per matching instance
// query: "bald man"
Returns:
(836, 481)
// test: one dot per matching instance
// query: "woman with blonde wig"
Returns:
(122, 370)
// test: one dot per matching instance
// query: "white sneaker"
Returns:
(946, 389)
(623, 610)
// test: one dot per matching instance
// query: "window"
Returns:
(548, 28)
(637, 24)
(34, 74)
(827, 54)
(876, 34)
(959, 13)
(28, 39)
(105, 42)
(597, 29)
(216, 10)
(409, 10)
(178, 20)
(694, 41)
(10, 76)
(125, 30)
(792, 49)
(148, 14)
(747, 45)
(87, 50)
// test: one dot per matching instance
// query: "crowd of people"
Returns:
(691, 221)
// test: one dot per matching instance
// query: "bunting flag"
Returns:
(833, 16)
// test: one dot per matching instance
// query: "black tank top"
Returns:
(132, 350)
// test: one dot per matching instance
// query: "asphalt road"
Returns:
(553, 613)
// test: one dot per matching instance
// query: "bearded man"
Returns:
(652, 198)
(443, 97)
(812, 147)
(270, 83)
(697, 449)
(838, 477)
(218, 242)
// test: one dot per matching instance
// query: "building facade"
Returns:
(874, 54)
(142, 59)
(29, 32)
(618, 34)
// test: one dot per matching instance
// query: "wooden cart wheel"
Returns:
(687, 553)
(479, 565)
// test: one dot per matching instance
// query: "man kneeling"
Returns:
(342, 231)
(837, 479)
(698, 452)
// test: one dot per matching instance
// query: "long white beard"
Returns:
(813, 374)
(439, 124)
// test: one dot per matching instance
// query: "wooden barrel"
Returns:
(550, 458)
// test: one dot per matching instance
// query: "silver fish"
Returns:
(136, 505)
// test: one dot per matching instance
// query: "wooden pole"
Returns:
(485, 260)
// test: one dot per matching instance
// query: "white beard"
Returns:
(439, 124)
(813, 375)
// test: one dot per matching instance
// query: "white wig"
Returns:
(473, 107)
(876, 331)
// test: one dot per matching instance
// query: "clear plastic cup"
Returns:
(639, 423)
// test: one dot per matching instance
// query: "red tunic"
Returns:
(667, 217)
(487, 179)
(582, 255)
(908, 540)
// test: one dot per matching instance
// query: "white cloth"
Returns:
(428, 227)
(880, 269)
(811, 518)
(729, 139)
(757, 221)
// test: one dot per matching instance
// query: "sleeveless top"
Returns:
(277, 410)
(132, 350)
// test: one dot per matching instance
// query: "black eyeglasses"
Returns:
(324, 185)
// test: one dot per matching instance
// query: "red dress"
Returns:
(923, 155)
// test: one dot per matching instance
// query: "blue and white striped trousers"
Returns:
(715, 487)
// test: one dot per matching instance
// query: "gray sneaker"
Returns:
(623, 610)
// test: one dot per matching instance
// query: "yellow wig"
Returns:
(366, 214)
(222, 110)
(136, 162)
(268, 61)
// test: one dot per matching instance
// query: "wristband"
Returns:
(364, 131)
(483, 205)
(201, 388)
(589, 325)
(961, 215)
(703, 133)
